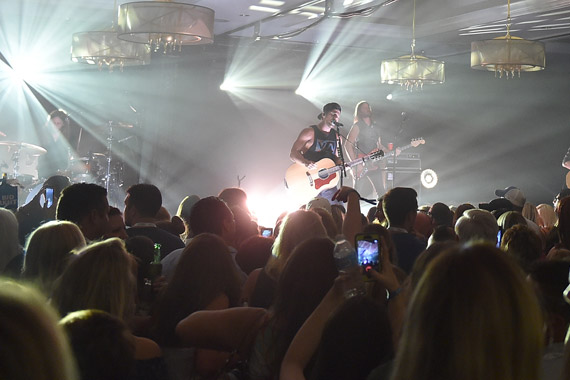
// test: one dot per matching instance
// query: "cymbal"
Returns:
(25, 148)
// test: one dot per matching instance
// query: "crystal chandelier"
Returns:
(165, 25)
(103, 48)
(508, 54)
(412, 71)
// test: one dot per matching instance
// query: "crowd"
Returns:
(92, 292)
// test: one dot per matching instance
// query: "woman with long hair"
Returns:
(48, 251)
(205, 278)
(298, 226)
(102, 277)
(473, 316)
(263, 336)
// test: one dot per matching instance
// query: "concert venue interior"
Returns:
(204, 117)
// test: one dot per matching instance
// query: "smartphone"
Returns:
(368, 251)
(499, 237)
(266, 231)
(49, 197)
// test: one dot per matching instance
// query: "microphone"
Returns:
(337, 124)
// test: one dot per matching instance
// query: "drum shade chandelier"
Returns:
(412, 71)
(103, 48)
(165, 25)
(508, 54)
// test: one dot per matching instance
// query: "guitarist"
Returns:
(365, 137)
(318, 141)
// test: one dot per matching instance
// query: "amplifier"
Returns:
(405, 162)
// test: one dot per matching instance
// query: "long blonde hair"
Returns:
(296, 227)
(48, 250)
(473, 317)
(101, 277)
(33, 345)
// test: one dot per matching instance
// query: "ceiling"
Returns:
(522, 123)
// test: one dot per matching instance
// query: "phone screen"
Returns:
(367, 248)
(267, 232)
(49, 197)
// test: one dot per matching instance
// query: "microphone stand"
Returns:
(340, 153)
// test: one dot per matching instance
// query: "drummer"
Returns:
(58, 142)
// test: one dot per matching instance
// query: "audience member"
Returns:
(48, 252)
(208, 215)
(264, 336)
(423, 226)
(142, 203)
(9, 238)
(523, 245)
(86, 205)
(102, 345)
(234, 196)
(245, 227)
(476, 224)
(472, 316)
(33, 345)
(254, 252)
(460, 210)
(442, 234)
(550, 279)
(548, 217)
(297, 227)
(37, 211)
(441, 215)
(400, 207)
(116, 226)
(205, 278)
(328, 222)
(102, 277)
(184, 209)
(564, 223)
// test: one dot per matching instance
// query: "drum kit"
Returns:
(19, 160)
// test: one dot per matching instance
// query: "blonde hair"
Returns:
(48, 251)
(297, 227)
(473, 316)
(547, 215)
(8, 237)
(101, 277)
(477, 224)
(33, 345)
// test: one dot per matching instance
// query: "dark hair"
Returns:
(113, 211)
(443, 233)
(245, 226)
(356, 339)
(552, 279)
(564, 222)
(426, 257)
(208, 215)
(460, 210)
(234, 196)
(101, 343)
(328, 222)
(146, 198)
(397, 203)
(523, 244)
(205, 271)
(254, 252)
(78, 200)
(306, 278)
(441, 215)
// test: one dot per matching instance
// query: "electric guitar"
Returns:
(311, 182)
(361, 171)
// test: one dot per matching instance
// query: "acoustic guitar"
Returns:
(310, 182)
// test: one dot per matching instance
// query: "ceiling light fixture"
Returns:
(103, 48)
(508, 54)
(165, 25)
(412, 71)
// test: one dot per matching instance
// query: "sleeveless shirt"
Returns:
(324, 145)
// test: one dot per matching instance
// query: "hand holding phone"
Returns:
(368, 249)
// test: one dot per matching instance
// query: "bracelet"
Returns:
(394, 294)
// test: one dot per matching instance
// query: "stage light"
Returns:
(389, 97)
(428, 178)
(228, 85)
